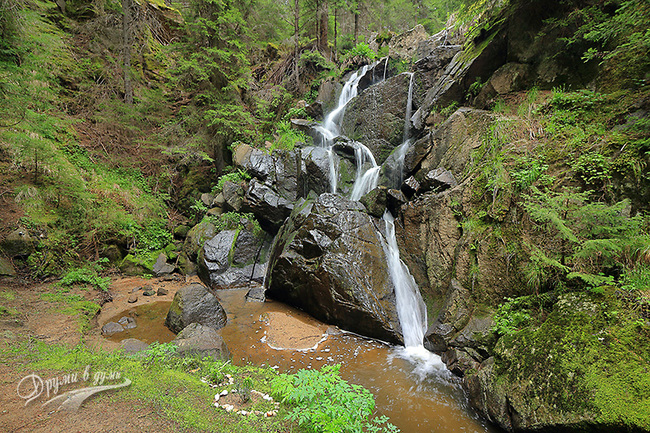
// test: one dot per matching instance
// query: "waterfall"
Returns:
(411, 310)
(409, 109)
(331, 126)
(385, 68)
(366, 180)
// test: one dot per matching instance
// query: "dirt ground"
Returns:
(43, 320)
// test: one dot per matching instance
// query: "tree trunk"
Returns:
(127, 24)
(323, 27)
(356, 26)
(336, 50)
(296, 31)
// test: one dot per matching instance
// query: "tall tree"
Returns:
(127, 31)
(296, 37)
(323, 27)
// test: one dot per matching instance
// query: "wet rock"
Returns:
(127, 322)
(138, 265)
(195, 239)
(201, 340)
(219, 200)
(267, 205)
(378, 114)
(459, 361)
(431, 68)
(233, 258)
(416, 153)
(328, 260)
(6, 268)
(132, 299)
(443, 39)
(161, 267)
(438, 180)
(162, 291)
(394, 200)
(410, 187)
(256, 294)
(186, 266)
(317, 169)
(454, 315)
(233, 195)
(315, 110)
(133, 345)
(18, 243)
(149, 292)
(112, 328)
(194, 304)
(375, 201)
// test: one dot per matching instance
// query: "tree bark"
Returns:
(127, 28)
(323, 28)
(296, 36)
(356, 25)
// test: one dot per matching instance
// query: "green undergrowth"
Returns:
(172, 384)
(588, 354)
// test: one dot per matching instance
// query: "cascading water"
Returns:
(411, 310)
(331, 126)
(366, 180)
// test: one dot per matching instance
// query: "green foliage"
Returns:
(159, 353)
(361, 50)
(475, 88)
(87, 274)
(153, 236)
(511, 316)
(288, 137)
(323, 402)
(587, 237)
(237, 221)
(527, 172)
(235, 177)
(314, 59)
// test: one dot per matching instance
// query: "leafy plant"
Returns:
(87, 274)
(361, 50)
(323, 402)
(235, 177)
(510, 317)
(288, 137)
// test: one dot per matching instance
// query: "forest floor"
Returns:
(32, 316)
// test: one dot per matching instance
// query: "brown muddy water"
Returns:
(413, 388)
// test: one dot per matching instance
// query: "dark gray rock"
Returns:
(132, 299)
(133, 345)
(378, 114)
(268, 206)
(112, 328)
(438, 180)
(195, 239)
(394, 200)
(162, 291)
(317, 169)
(256, 294)
(127, 322)
(161, 267)
(233, 259)
(510, 77)
(328, 260)
(18, 243)
(410, 187)
(197, 339)
(149, 292)
(233, 195)
(194, 304)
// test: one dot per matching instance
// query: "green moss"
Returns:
(589, 356)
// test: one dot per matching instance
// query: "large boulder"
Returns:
(18, 243)
(328, 260)
(194, 304)
(196, 237)
(376, 116)
(196, 339)
(233, 258)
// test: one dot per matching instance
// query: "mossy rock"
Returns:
(139, 265)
